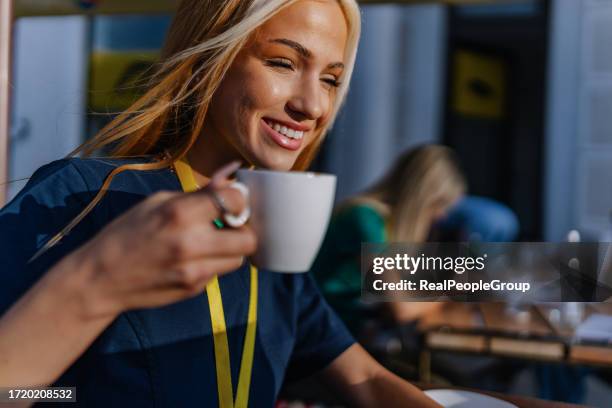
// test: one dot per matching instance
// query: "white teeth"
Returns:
(293, 134)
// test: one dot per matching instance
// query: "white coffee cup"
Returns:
(290, 213)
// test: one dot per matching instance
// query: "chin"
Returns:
(278, 165)
(273, 158)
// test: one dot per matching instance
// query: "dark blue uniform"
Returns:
(161, 356)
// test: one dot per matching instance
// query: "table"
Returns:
(519, 401)
(533, 333)
(313, 391)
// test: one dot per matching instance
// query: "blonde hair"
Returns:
(421, 178)
(203, 41)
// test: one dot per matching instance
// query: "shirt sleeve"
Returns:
(54, 195)
(321, 335)
(368, 223)
(337, 267)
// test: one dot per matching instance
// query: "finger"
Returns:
(200, 241)
(184, 282)
(200, 205)
(193, 275)
(221, 176)
(204, 204)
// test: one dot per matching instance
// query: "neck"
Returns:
(207, 155)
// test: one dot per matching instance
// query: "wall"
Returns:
(395, 99)
(579, 131)
(50, 67)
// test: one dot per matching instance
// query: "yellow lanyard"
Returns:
(217, 317)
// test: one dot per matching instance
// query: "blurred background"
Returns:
(520, 89)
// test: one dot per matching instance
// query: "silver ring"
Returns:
(219, 202)
(230, 219)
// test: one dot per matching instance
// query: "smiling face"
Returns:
(280, 90)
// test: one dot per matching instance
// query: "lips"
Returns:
(282, 137)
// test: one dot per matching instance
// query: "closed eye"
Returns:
(280, 63)
(288, 64)
(332, 81)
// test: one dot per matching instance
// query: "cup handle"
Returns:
(236, 221)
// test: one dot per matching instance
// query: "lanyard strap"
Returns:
(224, 376)
(217, 317)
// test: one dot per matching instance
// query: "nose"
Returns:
(309, 101)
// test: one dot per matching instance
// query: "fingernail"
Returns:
(224, 172)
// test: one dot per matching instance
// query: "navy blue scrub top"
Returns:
(162, 356)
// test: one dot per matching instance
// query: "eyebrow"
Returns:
(303, 51)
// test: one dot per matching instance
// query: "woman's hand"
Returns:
(163, 250)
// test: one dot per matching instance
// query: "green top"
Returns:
(337, 268)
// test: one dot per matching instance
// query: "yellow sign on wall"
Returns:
(118, 78)
(479, 85)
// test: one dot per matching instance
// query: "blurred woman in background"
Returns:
(418, 191)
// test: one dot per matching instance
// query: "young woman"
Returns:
(402, 207)
(116, 281)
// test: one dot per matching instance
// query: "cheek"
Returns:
(228, 100)
(264, 93)
(234, 108)
(258, 97)
(327, 104)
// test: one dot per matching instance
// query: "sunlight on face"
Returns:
(281, 87)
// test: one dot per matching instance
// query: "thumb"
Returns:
(221, 177)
